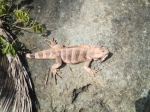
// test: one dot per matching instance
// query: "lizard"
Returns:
(73, 54)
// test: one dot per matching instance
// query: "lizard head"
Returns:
(100, 53)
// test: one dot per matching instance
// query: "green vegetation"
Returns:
(4, 7)
(18, 16)
(7, 47)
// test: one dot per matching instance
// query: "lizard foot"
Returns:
(50, 42)
(55, 73)
(94, 71)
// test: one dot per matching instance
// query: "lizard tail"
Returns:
(30, 55)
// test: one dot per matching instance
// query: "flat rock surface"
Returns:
(123, 83)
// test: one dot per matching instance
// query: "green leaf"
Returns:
(12, 52)
(27, 18)
(25, 13)
(16, 14)
(1, 39)
(5, 50)
(22, 15)
(3, 7)
(41, 30)
(6, 43)
(13, 49)
(38, 27)
(35, 29)
(7, 47)
(1, 12)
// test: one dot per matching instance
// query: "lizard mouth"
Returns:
(102, 58)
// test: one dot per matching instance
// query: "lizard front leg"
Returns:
(54, 69)
(88, 69)
(53, 44)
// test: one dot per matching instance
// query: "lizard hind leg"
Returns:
(54, 71)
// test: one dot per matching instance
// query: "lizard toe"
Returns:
(94, 71)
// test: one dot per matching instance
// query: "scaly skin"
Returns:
(74, 54)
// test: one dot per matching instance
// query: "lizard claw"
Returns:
(50, 42)
(94, 71)
(55, 72)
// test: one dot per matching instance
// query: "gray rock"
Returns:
(123, 83)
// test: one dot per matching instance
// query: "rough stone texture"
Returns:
(123, 83)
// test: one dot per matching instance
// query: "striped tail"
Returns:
(30, 55)
(45, 54)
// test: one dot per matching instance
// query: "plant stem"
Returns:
(27, 28)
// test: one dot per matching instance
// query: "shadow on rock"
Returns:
(143, 104)
(109, 56)
(76, 92)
